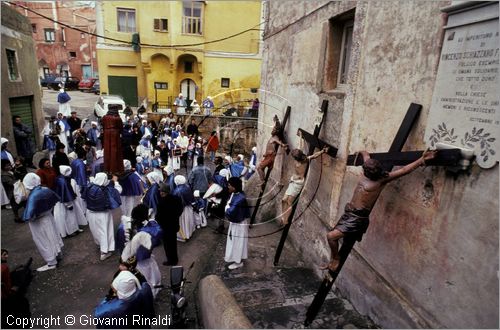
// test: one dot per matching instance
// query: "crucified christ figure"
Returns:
(354, 222)
(270, 153)
(297, 180)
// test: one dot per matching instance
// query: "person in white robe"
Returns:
(101, 200)
(187, 218)
(64, 106)
(63, 135)
(237, 212)
(146, 262)
(67, 213)
(38, 214)
(152, 195)
(132, 185)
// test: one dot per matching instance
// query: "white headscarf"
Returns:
(196, 193)
(4, 140)
(101, 179)
(125, 284)
(240, 157)
(127, 165)
(229, 159)
(31, 180)
(155, 177)
(225, 173)
(254, 149)
(138, 159)
(65, 170)
(99, 153)
(93, 123)
(157, 153)
(179, 179)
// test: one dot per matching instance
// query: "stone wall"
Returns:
(430, 256)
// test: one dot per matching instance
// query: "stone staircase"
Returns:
(278, 297)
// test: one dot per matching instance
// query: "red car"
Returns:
(86, 84)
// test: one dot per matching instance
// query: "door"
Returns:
(86, 71)
(188, 90)
(126, 87)
(21, 106)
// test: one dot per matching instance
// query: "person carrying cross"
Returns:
(355, 220)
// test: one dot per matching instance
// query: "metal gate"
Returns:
(126, 87)
(22, 107)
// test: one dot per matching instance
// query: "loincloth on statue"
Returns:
(294, 187)
(353, 222)
(268, 161)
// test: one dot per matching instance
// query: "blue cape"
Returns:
(92, 135)
(63, 97)
(155, 163)
(5, 155)
(40, 200)
(238, 208)
(153, 229)
(220, 180)
(64, 189)
(66, 125)
(101, 199)
(79, 172)
(184, 192)
(139, 168)
(120, 238)
(131, 184)
(114, 196)
(140, 303)
(236, 168)
(48, 143)
(170, 181)
(152, 197)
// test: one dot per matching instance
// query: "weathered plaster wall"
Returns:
(16, 35)
(430, 256)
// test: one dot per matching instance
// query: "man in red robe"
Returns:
(212, 145)
(112, 128)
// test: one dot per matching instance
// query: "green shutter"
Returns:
(126, 87)
(21, 106)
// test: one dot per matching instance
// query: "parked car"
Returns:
(86, 84)
(69, 83)
(102, 104)
(49, 78)
(96, 88)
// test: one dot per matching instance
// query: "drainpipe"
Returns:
(54, 13)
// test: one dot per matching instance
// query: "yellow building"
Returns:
(199, 48)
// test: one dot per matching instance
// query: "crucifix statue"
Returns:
(376, 174)
(354, 221)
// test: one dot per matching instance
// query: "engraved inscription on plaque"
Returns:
(465, 103)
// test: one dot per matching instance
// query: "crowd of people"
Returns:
(155, 173)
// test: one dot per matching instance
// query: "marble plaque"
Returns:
(465, 103)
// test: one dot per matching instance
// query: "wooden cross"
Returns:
(389, 160)
(314, 142)
(268, 172)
